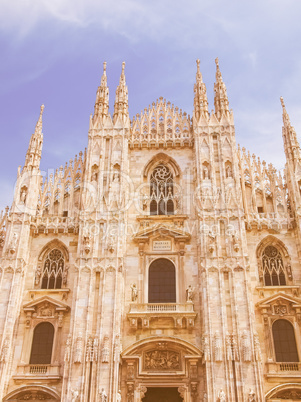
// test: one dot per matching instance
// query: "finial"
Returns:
(39, 122)
(216, 62)
(198, 65)
(123, 66)
(104, 67)
(282, 102)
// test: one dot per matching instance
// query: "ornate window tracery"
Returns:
(53, 270)
(273, 268)
(161, 191)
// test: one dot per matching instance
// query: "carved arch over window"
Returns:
(273, 262)
(29, 392)
(164, 159)
(285, 391)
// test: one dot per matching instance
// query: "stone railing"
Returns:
(161, 307)
(47, 371)
(54, 224)
(145, 314)
(287, 369)
(268, 220)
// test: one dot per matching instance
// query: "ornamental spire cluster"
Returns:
(121, 107)
(101, 108)
(221, 102)
(291, 144)
(200, 96)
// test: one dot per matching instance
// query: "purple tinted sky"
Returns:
(52, 53)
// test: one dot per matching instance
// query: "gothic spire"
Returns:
(101, 107)
(33, 155)
(291, 144)
(121, 110)
(200, 97)
(221, 102)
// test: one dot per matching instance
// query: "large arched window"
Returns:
(273, 269)
(284, 341)
(42, 343)
(162, 282)
(53, 270)
(161, 191)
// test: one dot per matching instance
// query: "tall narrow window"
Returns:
(42, 343)
(53, 270)
(273, 269)
(162, 282)
(161, 191)
(284, 341)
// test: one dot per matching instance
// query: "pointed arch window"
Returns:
(53, 270)
(161, 191)
(42, 344)
(273, 269)
(284, 342)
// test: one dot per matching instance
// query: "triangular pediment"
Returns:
(44, 303)
(161, 229)
(278, 298)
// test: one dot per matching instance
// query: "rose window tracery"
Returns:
(161, 191)
(53, 270)
(273, 269)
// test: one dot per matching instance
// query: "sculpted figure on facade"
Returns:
(257, 348)
(229, 348)
(105, 350)
(189, 293)
(221, 396)
(235, 351)
(246, 347)
(252, 396)
(217, 347)
(118, 396)
(14, 242)
(38, 275)
(89, 349)
(79, 349)
(134, 292)
(65, 275)
(74, 395)
(95, 349)
(206, 348)
(68, 348)
(102, 395)
(23, 195)
(4, 351)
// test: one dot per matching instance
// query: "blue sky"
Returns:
(52, 52)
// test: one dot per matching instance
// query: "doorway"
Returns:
(162, 395)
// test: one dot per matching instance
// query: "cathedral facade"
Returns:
(162, 264)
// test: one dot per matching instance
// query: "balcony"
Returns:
(283, 370)
(47, 372)
(182, 315)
